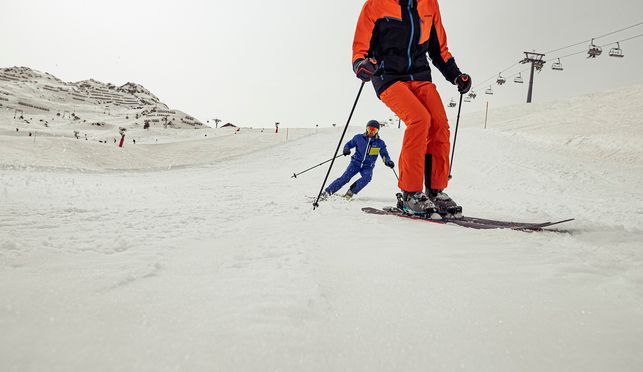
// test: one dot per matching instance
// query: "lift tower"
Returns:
(537, 63)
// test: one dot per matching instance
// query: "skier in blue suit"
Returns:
(368, 146)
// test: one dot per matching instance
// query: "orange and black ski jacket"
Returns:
(398, 34)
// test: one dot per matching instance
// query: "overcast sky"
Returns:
(256, 62)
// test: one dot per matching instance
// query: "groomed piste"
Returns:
(195, 252)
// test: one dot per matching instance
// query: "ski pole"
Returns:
(457, 123)
(321, 190)
(311, 168)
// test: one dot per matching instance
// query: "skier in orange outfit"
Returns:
(392, 40)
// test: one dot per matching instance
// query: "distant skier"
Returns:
(390, 49)
(368, 146)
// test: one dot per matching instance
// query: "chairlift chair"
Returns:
(452, 103)
(539, 65)
(617, 52)
(473, 94)
(594, 50)
(558, 66)
(501, 80)
(518, 79)
(467, 99)
(489, 91)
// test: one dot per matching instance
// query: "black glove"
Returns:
(347, 152)
(389, 163)
(365, 69)
(464, 83)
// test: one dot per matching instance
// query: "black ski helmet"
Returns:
(373, 123)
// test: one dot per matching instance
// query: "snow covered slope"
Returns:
(221, 264)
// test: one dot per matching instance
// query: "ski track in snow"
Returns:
(223, 265)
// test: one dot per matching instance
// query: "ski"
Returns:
(470, 222)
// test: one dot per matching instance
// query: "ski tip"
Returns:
(561, 221)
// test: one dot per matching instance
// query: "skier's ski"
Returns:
(470, 222)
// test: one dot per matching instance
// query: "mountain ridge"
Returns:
(30, 91)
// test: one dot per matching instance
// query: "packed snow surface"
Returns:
(202, 253)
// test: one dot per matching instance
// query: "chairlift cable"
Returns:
(628, 39)
(621, 30)
(495, 76)
(602, 46)
(510, 67)
(572, 54)
(598, 37)
(567, 47)
(484, 82)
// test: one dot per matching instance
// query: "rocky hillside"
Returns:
(27, 92)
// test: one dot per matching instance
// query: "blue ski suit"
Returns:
(363, 161)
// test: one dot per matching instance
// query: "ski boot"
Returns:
(417, 204)
(445, 206)
(349, 194)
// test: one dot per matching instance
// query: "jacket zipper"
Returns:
(368, 144)
(408, 8)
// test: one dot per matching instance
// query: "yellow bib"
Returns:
(374, 151)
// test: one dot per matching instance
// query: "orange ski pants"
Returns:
(420, 107)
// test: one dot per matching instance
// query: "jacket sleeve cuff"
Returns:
(451, 71)
(356, 63)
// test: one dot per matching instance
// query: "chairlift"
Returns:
(473, 94)
(558, 66)
(539, 64)
(594, 50)
(501, 80)
(489, 91)
(467, 99)
(452, 103)
(518, 79)
(617, 52)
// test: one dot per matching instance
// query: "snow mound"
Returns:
(606, 124)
